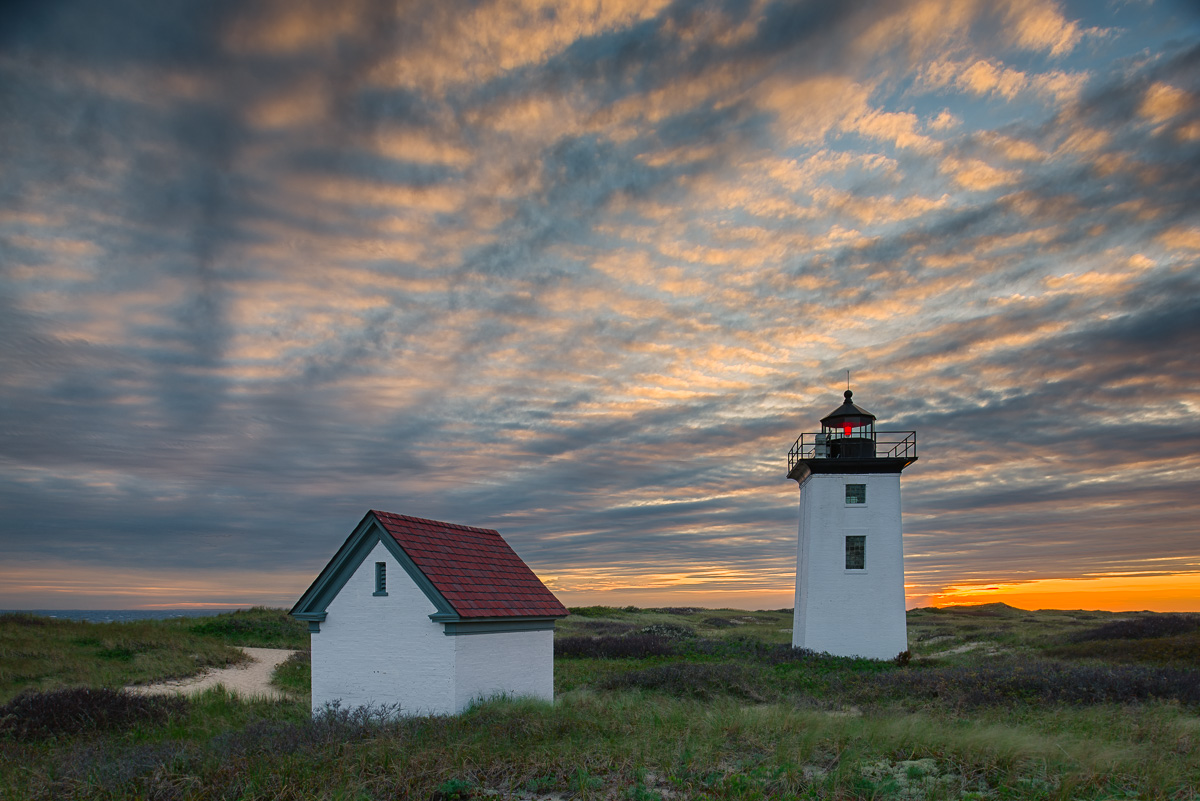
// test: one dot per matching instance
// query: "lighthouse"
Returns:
(850, 554)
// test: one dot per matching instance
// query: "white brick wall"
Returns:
(517, 663)
(850, 612)
(384, 650)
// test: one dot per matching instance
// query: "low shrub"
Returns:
(1142, 628)
(99, 768)
(1037, 682)
(631, 646)
(671, 631)
(739, 647)
(601, 627)
(454, 790)
(114, 768)
(692, 680)
(1182, 649)
(758, 650)
(977, 610)
(34, 715)
(642, 645)
(596, 611)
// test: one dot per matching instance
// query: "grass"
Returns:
(719, 707)
(294, 675)
(39, 653)
(257, 627)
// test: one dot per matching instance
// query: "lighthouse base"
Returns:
(850, 566)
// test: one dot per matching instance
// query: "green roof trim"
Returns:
(499, 625)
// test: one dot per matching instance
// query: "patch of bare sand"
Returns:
(250, 679)
(989, 649)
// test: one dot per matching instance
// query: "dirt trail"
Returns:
(249, 679)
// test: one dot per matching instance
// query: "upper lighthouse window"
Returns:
(856, 493)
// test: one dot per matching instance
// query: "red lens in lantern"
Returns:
(845, 429)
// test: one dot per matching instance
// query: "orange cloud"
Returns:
(1015, 149)
(983, 77)
(1040, 25)
(899, 127)
(990, 76)
(978, 175)
(1163, 101)
(1180, 238)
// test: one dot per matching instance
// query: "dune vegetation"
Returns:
(990, 702)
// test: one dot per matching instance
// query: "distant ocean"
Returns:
(118, 615)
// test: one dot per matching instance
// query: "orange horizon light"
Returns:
(1176, 592)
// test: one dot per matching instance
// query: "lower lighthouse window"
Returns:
(856, 552)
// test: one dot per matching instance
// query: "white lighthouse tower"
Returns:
(850, 557)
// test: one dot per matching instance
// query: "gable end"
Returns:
(315, 601)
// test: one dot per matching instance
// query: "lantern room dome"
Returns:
(848, 412)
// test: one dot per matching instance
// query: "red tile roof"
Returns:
(474, 568)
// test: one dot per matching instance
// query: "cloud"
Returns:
(1040, 25)
(985, 77)
(583, 272)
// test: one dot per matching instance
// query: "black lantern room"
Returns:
(849, 443)
(849, 431)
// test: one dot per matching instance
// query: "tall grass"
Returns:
(294, 674)
(595, 744)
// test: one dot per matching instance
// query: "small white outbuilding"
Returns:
(427, 615)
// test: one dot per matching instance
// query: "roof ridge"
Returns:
(459, 526)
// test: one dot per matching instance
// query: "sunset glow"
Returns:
(1179, 593)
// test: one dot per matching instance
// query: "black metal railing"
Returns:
(888, 445)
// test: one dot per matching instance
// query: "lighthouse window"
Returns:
(856, 493)
(856, 552)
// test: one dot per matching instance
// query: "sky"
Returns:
(582, 272)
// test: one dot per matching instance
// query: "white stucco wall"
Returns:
(383, 650)
(850, 612)
(519, 663)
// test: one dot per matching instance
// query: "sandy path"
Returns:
(250, 679)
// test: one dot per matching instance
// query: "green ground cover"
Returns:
(46, 653)
(651, 704)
